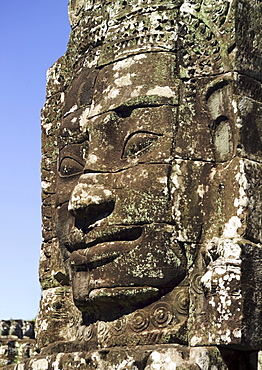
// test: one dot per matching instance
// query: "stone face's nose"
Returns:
(91, 202)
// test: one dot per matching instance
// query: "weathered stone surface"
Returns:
(259, 360)
(165, 357)
(226, 303)
(232, 199)
(57, 317)
(51, 267)
(248, 41)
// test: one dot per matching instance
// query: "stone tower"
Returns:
(152, 187)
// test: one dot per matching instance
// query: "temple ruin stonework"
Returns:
(152, 189)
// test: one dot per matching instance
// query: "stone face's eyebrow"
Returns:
(68, 135)
(148, 101)
(71, 129)
(143, 101)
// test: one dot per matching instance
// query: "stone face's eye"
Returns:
(139, 143)
(69, 167)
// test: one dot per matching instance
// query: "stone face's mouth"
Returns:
(102, 245)
(110, 303)
(125, 298)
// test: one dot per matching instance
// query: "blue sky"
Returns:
(34, 34)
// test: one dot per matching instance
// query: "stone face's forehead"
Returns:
(80, 92)
(151, 77)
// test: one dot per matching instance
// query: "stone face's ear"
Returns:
(220, 101)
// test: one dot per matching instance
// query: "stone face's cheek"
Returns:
(64, 189)
(142, 195)
(64, 223)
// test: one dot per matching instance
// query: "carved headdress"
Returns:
(201, 30)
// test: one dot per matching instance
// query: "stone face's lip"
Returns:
(111, 243)
(80, 240)
(121, 291)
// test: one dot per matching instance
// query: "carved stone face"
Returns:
(114, 208)
(158, 184)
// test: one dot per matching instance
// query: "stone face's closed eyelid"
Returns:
(69, 167)
(137, 142)
(71, 160)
